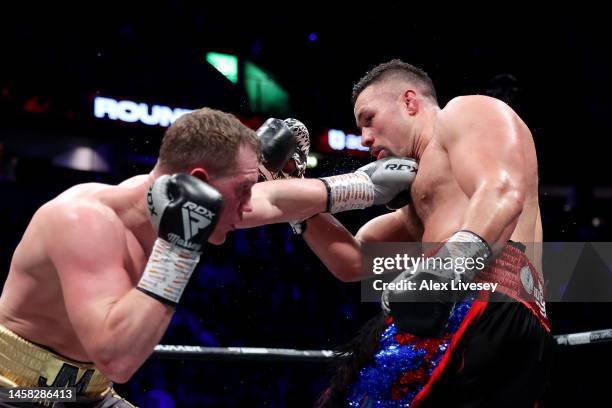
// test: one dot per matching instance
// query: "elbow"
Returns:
(347, 274)
(118, 370)
(117, 367)
(346, 277)
(509, 195)
(513, 200)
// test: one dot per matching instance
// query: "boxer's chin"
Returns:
(389, 153)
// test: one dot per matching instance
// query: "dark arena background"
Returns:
(64, 75)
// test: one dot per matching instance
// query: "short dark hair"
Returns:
(407, 71)
(205, 137)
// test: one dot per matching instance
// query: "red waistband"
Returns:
(517, 278)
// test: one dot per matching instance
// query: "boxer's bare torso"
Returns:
(33, 303)
(439, 202)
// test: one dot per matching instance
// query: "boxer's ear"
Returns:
(411, 102)
(200, 173)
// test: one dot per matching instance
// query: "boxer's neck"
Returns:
(128, 200)
(424, 132)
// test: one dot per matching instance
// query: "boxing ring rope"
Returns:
(590, 337)
(262, 354)
(240, 354)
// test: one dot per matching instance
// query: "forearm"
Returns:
(493, 212)
(376, 183)
(132, 328)
(335, 246)
(285, 200)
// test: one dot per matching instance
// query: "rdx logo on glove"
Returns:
(150, 201)
(395, 166)
(195, 218)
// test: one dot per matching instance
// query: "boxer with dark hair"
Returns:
(476, 190)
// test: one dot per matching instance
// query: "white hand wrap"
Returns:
(168, 271)
(349, 192)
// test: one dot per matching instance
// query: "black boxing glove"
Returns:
(300, 155)
(285, 145)
(184, 211)
(424, 310)
(279, 161)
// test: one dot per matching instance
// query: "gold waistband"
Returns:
(24, 364)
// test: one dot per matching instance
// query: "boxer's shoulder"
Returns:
(473, 102)
(135, 181)
(95, 197)
(474, 115)
(471, 109)
(89, 210)
(85, 190)
(81, 209)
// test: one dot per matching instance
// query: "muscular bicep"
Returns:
(86, 247)
(483, 139)
(398, 226)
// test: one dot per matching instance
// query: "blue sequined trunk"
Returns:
(395, 363)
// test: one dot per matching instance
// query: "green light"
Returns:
(225, 64)
(312, 161)
(265, 95)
